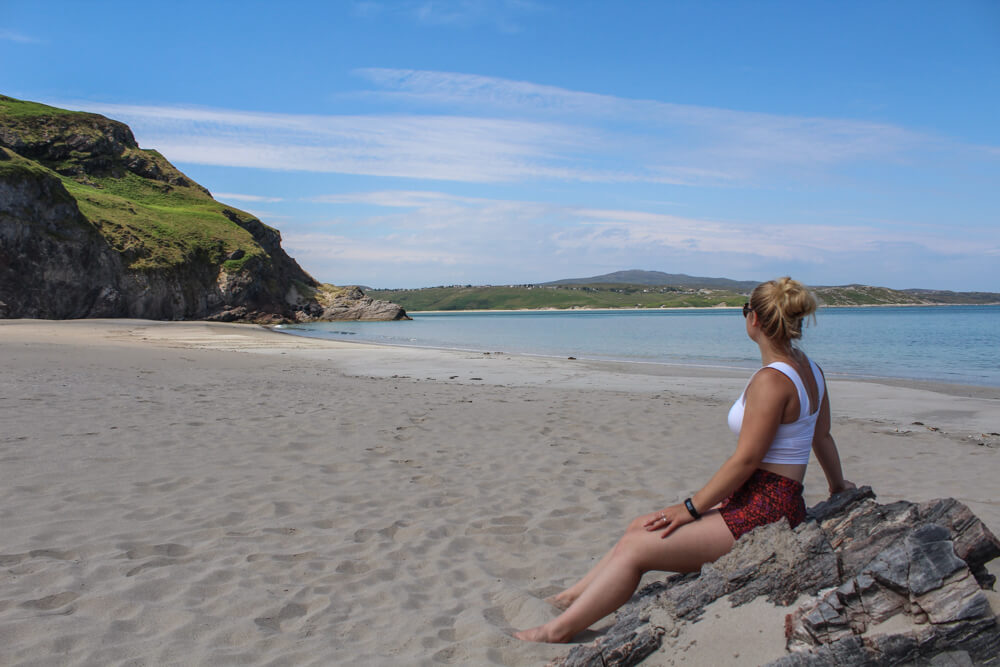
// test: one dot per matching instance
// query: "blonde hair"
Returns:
(782, 305)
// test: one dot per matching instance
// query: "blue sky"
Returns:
(429, 142)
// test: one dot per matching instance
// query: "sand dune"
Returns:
(189, 493)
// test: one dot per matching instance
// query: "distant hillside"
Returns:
(91, 225)
(610, 294)
(867, 295)
(638, 277)
(946, 297)
(518, 297)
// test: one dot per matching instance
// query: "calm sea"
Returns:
(959, 344)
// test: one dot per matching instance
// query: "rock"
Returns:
(365, 309)
(860, 564)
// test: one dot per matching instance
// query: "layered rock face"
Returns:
(93, 226)
(859, 564)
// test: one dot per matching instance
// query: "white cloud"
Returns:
(707, 137)
(480, 227)
(620, 230)
(472, 130)
(219, 196)
(501, 242)
(317, 247)
(395, 198)
(545, 132)
(455, 148)
(428, 237)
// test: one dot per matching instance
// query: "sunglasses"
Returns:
(746, 309)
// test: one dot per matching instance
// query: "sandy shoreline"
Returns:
(192, 493)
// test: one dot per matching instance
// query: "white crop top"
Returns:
(793, 442)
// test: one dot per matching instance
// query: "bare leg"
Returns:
(639, 551)
(564, 599)
(567, 597)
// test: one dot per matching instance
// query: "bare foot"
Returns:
(539, 634)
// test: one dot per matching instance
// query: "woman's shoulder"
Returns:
(770, 379)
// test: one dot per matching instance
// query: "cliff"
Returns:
(91, 225)
(850, 569)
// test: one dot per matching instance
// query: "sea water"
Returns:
(957, 344)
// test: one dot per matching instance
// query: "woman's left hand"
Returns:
(668, 519)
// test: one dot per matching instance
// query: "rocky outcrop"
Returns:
(93, 226)
(350, 303)
(860, 564)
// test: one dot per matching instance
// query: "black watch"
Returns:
(690, 508)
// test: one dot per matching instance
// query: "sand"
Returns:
(191, 493)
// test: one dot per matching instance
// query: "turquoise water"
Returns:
(958, 344)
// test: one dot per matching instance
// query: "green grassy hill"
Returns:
(557, 296)
(91, 225)
(623, 295)
(149, 211)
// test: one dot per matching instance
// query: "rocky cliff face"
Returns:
(93, 226)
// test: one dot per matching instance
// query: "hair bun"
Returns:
(781, 305)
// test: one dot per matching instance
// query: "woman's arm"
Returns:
(826, 449)
(766, 399)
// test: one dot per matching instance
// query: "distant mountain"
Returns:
(637, 277)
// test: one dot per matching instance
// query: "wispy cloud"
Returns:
(636, 229)
(503, 15)
(317, 247)
(454, 148)
(533, 233)
(555, 134)
(707, 136)
(466, 129)
(469, 128)
(220, 196)
(396, 198)
(417, 237)
(13, 36)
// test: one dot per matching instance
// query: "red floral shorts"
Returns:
(764, 498)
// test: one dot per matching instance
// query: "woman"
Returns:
(783, 413)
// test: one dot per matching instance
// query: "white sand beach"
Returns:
(195, 494)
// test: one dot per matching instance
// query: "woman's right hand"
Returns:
(668, 519)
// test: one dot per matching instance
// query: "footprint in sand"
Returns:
(504, 525)
(284, 619)
(14, 559)
(284, 558)
(160, 555)
(170, 550)
(51, 602)
(353, 567)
